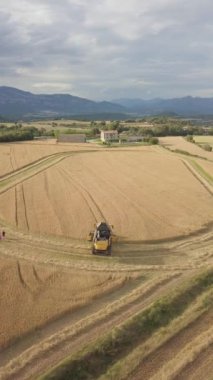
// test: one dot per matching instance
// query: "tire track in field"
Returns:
(11, 180)
(25, 207)
(116, 189)
(46, 184)
(21, 278)
(11, 162)
(16, 207)
(36, 275)
(91, 199)
(67, 176)
(15, 161)
(31, 164)
(196, 249)
(92, 204)
(132, 203)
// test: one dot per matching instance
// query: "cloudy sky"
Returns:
(107, 49)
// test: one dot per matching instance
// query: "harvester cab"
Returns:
(102, 239)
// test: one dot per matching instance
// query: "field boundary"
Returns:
(202, 172)
(197, 175)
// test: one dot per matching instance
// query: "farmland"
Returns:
(204, 140)
(179, 143)
(48, 292)
(15, 156)
(60, 304)
(113, 186)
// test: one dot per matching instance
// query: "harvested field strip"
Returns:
(174, 338)
(42, 255)
(75, 254)
(59, 344)
(202, 172)
(200, 339)
(41, 296)
(31, 164)
(21, 175)
(145, 359)
(95, 359)
(199, 367)
(199, 177)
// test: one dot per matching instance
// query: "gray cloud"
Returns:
(106, 48)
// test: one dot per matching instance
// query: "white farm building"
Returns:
(109, 135)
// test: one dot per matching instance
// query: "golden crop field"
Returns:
(181, 144)
(140, 187)
(148, 307)
(204, 140)
(17, 155)
(47, 292)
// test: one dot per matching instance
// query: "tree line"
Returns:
(17, 132)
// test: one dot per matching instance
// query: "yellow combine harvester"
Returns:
(102, 239)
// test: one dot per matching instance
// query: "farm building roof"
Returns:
(75, 138)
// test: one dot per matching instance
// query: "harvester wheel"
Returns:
(109, 251)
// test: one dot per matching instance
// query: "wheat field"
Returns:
(56, 297)
(155, 195)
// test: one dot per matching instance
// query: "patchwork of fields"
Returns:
(60, 302)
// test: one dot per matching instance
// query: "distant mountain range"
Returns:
(186, 106)
(17, 104)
